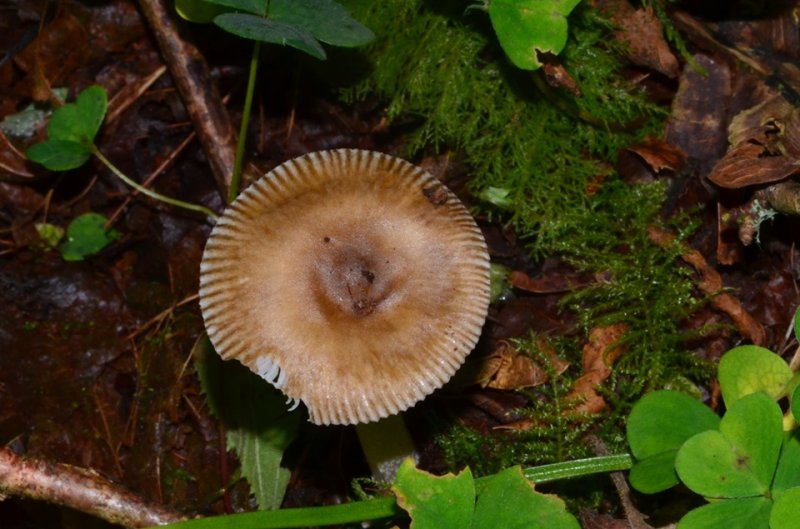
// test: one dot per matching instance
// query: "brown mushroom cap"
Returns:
(353, 281)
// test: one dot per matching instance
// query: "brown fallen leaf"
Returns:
(710, 283)
(659, 155)
(697, 121)
(599, 354)
(765, 146)
(643, 33)
(506, 368)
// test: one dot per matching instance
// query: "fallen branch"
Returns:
(198, 91)
(78, 489)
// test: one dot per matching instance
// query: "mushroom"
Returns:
(353, 281)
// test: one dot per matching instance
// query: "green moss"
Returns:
(442, 72)
(541, 160)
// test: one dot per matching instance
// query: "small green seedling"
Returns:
(747, 465)
(71, 132)
(527, 28)
(70, 142)
(87, 235)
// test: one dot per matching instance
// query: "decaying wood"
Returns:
(78, 489)
(198, 91)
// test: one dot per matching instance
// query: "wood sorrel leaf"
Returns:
(787, 475)
(256, 7)
(657, 427)
(526, 28)
(509, 500)
(445, 502)
(740, 458)
(786, 510)
(71, 131)
(257, 28)
(749, 368)
(744, 513)
(326, 20)
(86, 235)
(59, 155)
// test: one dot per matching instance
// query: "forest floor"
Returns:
(95, 354)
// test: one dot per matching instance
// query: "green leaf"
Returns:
(79, 121)
(749, 368)
(259, 427)
(58, 155)
(745, 513)
(445, 502)
(786, 510)
(264, 30)
(256, 7)
(655, 473)
(795, 403)
(787, 475)
(509, 501)
(71, 131)
(797, 324)
(326, 20)
(739, 459)
(198, 11)
(87, 235)
(527, 27)
(657, 427)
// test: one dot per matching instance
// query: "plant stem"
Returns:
(376, 509)
(149, 192)
(236, 178)
(302, 517)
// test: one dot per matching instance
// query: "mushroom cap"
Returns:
(351, 280)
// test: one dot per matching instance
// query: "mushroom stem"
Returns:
(386, 443)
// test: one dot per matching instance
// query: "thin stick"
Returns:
(78, 489)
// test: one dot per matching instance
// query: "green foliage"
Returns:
(259, 429)
(526, 28)
(49, 234)
(748, 369)
(301, 24)
(506, 499)
(657, 427)
(71, 132)
(87, 235)
(744, 464)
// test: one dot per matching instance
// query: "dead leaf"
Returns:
(507, 369)
(765, 148)
(697, 122)
(659, 155)
(643, 33)
(599, 354)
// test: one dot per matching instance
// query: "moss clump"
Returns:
(542, 161)
(442, 71)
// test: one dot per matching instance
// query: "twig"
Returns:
(78, 489)
(200, 96)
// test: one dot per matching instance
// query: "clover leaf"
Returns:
(71, 132)
(301, 24)
(657, 427)
(748, 369)
(87, 235)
